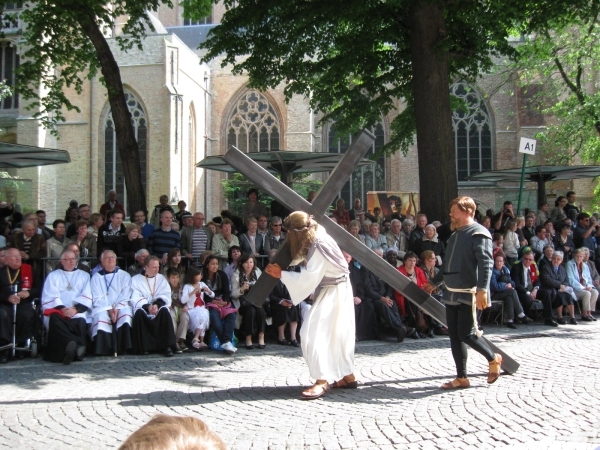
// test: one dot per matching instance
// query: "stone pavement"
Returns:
(251, 399)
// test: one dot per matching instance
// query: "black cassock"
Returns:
(364, 312)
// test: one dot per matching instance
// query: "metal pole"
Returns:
(522, 182)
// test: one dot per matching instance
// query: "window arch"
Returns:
(472, 133)
(364, 179)
(253, 125)
(113, 167)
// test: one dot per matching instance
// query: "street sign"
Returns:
(527, 146)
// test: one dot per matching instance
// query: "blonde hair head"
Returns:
(302, 229)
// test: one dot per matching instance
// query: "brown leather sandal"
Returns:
(315, 391)
(348, 382)
(457, 383)
(494, 372)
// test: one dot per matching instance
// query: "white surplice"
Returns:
(199, 316)
(67, 289)
(110, 290)
(145, 291)
(328, 333)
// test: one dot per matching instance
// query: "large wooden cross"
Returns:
(338, 177)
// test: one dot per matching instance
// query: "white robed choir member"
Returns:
(111, 294)
(328, 333)
(66, 303)
(150, 299)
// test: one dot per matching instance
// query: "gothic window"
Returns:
(9, 61)
(364, 179)
(113, 168)
(253, 125)
(472, 133)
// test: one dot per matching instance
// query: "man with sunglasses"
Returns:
(527, 285)
(276, 236)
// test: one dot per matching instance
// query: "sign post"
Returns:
(527, 147)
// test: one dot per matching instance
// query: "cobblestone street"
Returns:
(252, 399)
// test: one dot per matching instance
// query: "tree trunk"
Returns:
(126, 141)
(431, 90)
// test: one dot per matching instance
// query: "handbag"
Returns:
(215, 343)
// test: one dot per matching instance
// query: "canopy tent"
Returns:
(17, 156)
(284, 163)
(539, 175)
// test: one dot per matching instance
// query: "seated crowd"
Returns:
(107, 288)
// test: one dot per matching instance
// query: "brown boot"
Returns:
(494, 372)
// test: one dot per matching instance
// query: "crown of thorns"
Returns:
(305, 227)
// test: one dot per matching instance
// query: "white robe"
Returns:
(56, 292)
(328, 334)
(118, 296)
(199, 316)
(147, 292)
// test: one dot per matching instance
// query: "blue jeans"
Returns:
(222, 327)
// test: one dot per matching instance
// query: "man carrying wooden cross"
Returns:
(327, 335)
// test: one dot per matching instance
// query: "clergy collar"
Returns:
(104, 272)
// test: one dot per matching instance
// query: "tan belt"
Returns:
(473, 292)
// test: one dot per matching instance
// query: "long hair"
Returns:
(302, 232)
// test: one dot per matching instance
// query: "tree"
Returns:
(355, 58)
(561, 62)
(64, 43)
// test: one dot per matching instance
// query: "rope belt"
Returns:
(328, 282)
(473, 292)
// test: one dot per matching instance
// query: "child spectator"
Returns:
(179, 311)
(193, 296)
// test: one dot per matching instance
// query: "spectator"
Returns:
(585, 232)
(197, 238)
(174, 260)
(86, 241)
(549, 226)
(178, 310)
(81, 265)
(510, 244)
(17, 288)
(150, 299)
(223, 241)
(276, 236)
(222, 313)
(66, 302)
(503, 288)
(417, 276)
(419, 231)
(72, 204)
(56, 245)
(194, 296)
(253, 317)
(428, 262)
(341, 214)
(500, 220)
(73, 216)
(529, 229)
(558, 214)
(563, 241)
(111, 204)
(431, 242)
(4, 230)
(175, 227)
(138, 266)
(520, 224)
(546, 258)
(7, 208)
(159, 209)
(391, 256)
(357, 212)
(581, 281)
(112, 312)
(284, 312)
(381, 295)
(486, 222)
(181, 205)
(188, 221)
(555, 284)
(395, 237)
(263, 228)
(129, 243)
(377, 216)
(539, 240)
(253, 207)
(84, 212)
(364, 311)
(233, 256)
(32, 246)
(41, 220)
(354, 229)
(374, 239)
(542, 214)
(526, 281)
(95, 223)
(593, 271)
(164, 238)
(252, 243)
(108, 234)
(146, 228)
(570, 206)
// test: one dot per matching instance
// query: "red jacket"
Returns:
(421, 281)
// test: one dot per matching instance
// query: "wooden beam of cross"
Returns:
(287, 197)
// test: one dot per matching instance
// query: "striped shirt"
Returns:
(199, 241)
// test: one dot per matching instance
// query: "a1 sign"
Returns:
(527, 146)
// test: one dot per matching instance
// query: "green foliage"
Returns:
(57, 55)
(352, 58)
(563, 57)
(236, 187)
